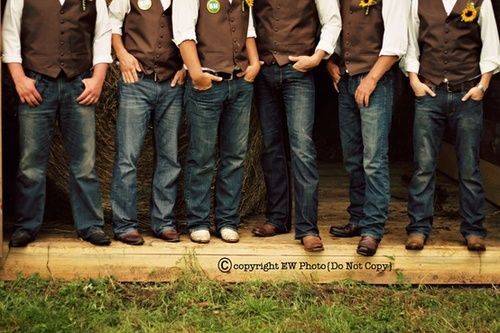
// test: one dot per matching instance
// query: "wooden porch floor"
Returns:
(57, 253)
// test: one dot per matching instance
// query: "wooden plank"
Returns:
(489, 171)
(445, 260)
(252, 258)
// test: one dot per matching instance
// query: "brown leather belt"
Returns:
(449, 87)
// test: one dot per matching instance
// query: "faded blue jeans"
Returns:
(364, 133)
(286, 99)
(465, 119)
(36, 128)
(140, 103)
(217, 116)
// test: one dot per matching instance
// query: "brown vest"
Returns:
(147, 35)
(362, 35)
(449, 48)
(55, 38)
(285, 28)
(222, 36)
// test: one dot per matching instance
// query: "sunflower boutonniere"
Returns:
(470, 12)
(249, 4)
(366, 4)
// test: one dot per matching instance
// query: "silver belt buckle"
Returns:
(445, 81)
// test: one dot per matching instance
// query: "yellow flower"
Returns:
(248, 2)
(367, 4)
(470, 12)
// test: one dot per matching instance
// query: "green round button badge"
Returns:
(213, 6)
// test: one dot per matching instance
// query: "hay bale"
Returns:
(253, 187)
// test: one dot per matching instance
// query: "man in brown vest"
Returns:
(151, 87)
(452, 54)
(374, 37)
(217, 43)
(57, 53)
(288, 46)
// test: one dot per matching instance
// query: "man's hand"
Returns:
(129, 66)
(27, 91)
(364, 91)
(475, 94)
(421, 89)
(334, 71)
(204, 81)
(305, 63)
(179, 78)
(92, 92)
(251, 72)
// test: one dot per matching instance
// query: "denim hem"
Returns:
(118, 234)
(482, 235)
(364, 234)
(230, 226)
(199, 228)
(280, 226)
(299, 237)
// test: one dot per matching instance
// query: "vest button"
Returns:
(234, 29)
(161, 36)
(62, 12)
(275, 52)
(62, 21)
(62, 64)
(61, 54)
(446, 62)
(445, 52)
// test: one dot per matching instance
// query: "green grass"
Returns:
(194, 304)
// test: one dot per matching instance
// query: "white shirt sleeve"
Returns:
(251, 27)
(102, 35)
(395, 15)
(11, 31)
(411, 62)
(490, 53)
(331, 25)
(184, 19)
(118, 9)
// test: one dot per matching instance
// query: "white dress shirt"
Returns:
(395, 15)
(331, 25)
(118, 9)
(185, 17)
(490, 53)
(12, 33)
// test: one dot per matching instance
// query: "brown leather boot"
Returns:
(367, 246)
(266, 230)
(132, 237)
(475, 243)
(415, 242)
(169, 235)
(312, 243)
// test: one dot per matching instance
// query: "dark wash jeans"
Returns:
(36, 127)
(139, 103)
(364, 133)
(284, 93)
(465, 119)
(219, 115)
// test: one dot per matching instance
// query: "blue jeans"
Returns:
(36, 127)
(220, 115)
(139, 103)
(465, 119)
(364, 133)
(286, 99)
